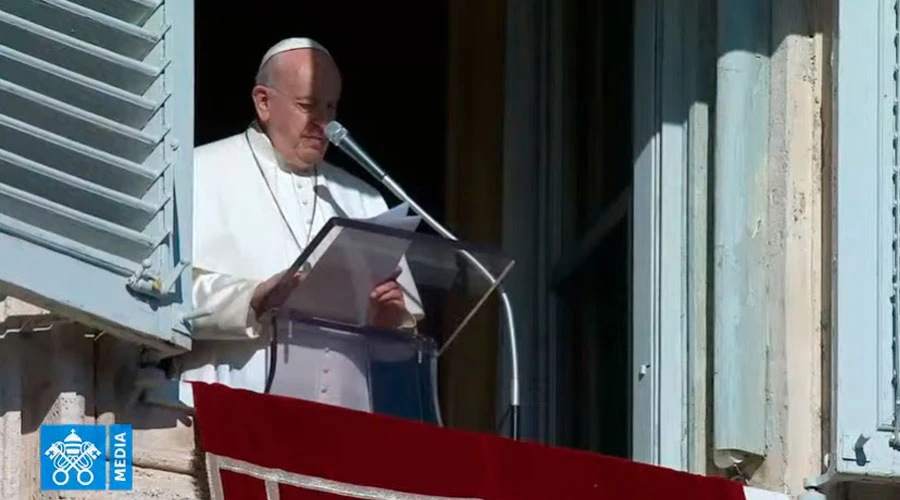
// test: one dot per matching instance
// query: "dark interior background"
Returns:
(393, 58)
(595, 301)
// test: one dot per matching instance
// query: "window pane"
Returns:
(593, 301)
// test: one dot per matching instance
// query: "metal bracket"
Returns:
(32, 324)
(146, 386)
(182, 328)
(149, 284)
(184, 324)
(854, 450)
(819, 482)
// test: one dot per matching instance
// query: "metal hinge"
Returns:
(854, 448)
(151, 285)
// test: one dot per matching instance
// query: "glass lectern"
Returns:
(445, 283)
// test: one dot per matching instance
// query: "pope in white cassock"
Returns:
(259, 198)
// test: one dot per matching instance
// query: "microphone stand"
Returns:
(338, 136)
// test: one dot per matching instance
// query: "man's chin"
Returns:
(307, 161)
(312, 156)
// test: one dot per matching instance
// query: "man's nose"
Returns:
(321, 118)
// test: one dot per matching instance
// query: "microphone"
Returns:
(339, 136)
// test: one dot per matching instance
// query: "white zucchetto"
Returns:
(292, 44)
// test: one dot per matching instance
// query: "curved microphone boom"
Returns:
(339, 136)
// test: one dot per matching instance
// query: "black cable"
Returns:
(515, 422)
(273, 356)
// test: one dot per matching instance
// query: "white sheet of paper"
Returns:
(348, 264)
(398, 218)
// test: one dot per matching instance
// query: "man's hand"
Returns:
(266, 293)
(387, 308)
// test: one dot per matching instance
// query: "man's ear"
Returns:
(261, 103)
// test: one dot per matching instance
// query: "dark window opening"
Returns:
(393, 60)
(594, 299)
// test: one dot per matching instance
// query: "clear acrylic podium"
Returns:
(327, 310)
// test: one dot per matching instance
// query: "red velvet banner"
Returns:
(323, 452)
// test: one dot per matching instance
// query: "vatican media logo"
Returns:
(74, 457)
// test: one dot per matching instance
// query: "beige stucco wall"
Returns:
(795, 260)
(61, 375)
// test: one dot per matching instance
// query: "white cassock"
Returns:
(241, 239)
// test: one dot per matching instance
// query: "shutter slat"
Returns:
(86, 93)
(86, 253)
(75, 192)
(75, 225)
(72, 157)
(87, 128)
(96, 141)
(132, 11)
(76, 55)
(86, 25)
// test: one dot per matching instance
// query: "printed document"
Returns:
(348, 263)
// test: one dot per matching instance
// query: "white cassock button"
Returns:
(305, 201)
(324, 390)
(325, 370)
(309, 221)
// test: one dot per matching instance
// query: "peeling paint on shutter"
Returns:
(96, 140)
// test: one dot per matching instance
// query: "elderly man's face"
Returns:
(299, 101)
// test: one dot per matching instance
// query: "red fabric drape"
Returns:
(355, 448)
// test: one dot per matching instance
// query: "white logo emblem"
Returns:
(73, 453)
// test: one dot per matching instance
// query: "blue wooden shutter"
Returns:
(96, 141)
(867, 311)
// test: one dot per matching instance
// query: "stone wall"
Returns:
(53, 371)
(796, 261)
